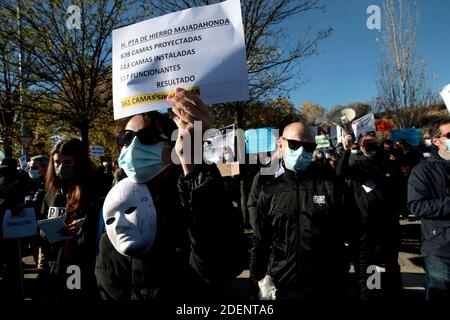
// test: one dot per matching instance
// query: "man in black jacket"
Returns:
(299, 225)
(374, 183)
(429, 199)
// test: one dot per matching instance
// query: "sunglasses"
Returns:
(146, 136)
(445, 135)
(295, 145)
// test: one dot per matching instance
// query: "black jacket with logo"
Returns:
(429, 199)
(300, 229)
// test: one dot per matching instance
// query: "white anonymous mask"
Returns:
(130, 218)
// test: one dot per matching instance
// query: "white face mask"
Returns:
(130, 218)
(428, 142)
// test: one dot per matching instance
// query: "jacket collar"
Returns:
(311, 172)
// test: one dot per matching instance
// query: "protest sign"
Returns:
(322, 141)
(23, 162)
(200, 49)
(229, 169)
(445, 94)
(411, 135)
(20, 225)
(97, 151)
(364, 125)
(219, 145)
(331, 132)
(260, 140)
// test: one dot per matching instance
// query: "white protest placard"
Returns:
(200, 49)
(445, 94)
(97, 151)
(219, 145)
(364, 125)
(21, 225)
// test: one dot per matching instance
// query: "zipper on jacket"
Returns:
(298, 236)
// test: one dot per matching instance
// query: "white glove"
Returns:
(267, 288)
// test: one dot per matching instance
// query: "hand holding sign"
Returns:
(188, 109)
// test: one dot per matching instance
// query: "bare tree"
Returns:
(403, 82)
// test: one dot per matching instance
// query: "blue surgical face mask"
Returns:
(34, 174)
(141, 162)
(297, 160)
(447, 144)
(354, 151)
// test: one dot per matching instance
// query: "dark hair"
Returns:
(77, 194)
(51, 180)
(160, 121)
(435, 129)
(43, 160)
(388, 141)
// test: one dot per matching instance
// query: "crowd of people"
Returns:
(321, 212)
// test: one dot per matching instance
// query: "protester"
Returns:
(429, 199)
(12, 194)
(199, 240)
(300, 225)
(393, 152)
(37, 171)
(373, 182)
(408, 157)
(70, 185)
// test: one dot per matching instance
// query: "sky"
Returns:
(345, 71)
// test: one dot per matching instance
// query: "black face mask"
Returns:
(65, 172)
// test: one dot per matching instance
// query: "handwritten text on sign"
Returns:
(20, 225)
(200, 49)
